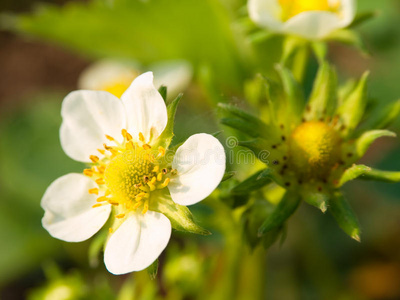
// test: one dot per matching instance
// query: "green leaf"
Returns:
(323, 96)
(319, 200)
(290, 46)
(253, 183)
(152, 270)
(271, 174)
(180, 216)
(352, 109)
(353, 172)
(286, 207)
(294, 93)
(379, 175)
(344, 215)
(163, 91)
(166, 136)
(364, 142)
(320, 50)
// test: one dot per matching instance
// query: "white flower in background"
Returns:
(115, 76)
(129, 174)
(312, 19)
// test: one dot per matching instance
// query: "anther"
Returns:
(156, 169)
(101, 151)
(146, 147)
(94, 191)
(100, 181)
(159, 176)
(94, 158)
(161, 151)
(110, 138)
(88, 172)
(102, 199)
(141, 137)
(120, 216)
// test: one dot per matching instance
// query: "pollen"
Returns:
(127, 174)
(291, 8)
(314, 148)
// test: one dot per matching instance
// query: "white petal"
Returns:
(175, 75)
(266, 14)
(69, 214)
(137, 243)
(87, 117)
(312, 24)
(348, 12)
(200, 164)
(105, 72)
(145, 108)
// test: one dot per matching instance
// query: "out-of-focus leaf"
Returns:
(131, 29)
(153, 269)
(382, 117)
(349, 37)
(344, 215)
(253, 183)
(363, 17)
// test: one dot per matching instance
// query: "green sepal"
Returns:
(317, 199)
(244, 121)
(349, 37)
(252, 183)
(362, 18)
(152, 270)
(323, 96)
(344, 215)
(285, 208)
(379, 175)
(320, 50)
(258, 146)
(364, 142)
(180, 216)
(163, 92)
(352, 173)
(166, 136)
(96, 246)
(290, 46)
(228, 175)
(271, 174)
(293, 91)
(269, 238)
(382, 117)
(352, 109)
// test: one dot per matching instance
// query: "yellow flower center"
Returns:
(291, 8)
(128, 173)
(314, 148)
(119, 85)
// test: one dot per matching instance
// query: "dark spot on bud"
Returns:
(349, 155)
(146, 178)
(319, 189)
(285, 158)
(165, 171)
(283, 138)
(275, 162)
(282, 126)
(287, 184)
(274, 146)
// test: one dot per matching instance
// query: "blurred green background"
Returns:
(42, 54)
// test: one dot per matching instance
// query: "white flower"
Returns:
(115, 76)
(129, 174)
(312, 19)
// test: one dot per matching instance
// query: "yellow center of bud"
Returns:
(128, 173)
(314, 148)
(291, 8)
(119, 85)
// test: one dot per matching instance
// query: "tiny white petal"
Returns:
(200, 164)
(348, 12)
(175, 75)
(137, 243)
(105, 72)
(69, 214)
(87, 117)
(145, 108)
(312, 24)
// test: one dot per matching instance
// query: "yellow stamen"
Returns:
(120, 216)
(100, 181)
(94, 158)
(110, 138)
(141, 137)
(159, 176)
(146, 147)
(161, 151)
(94, 191)
(88, 172)
(102, 199)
